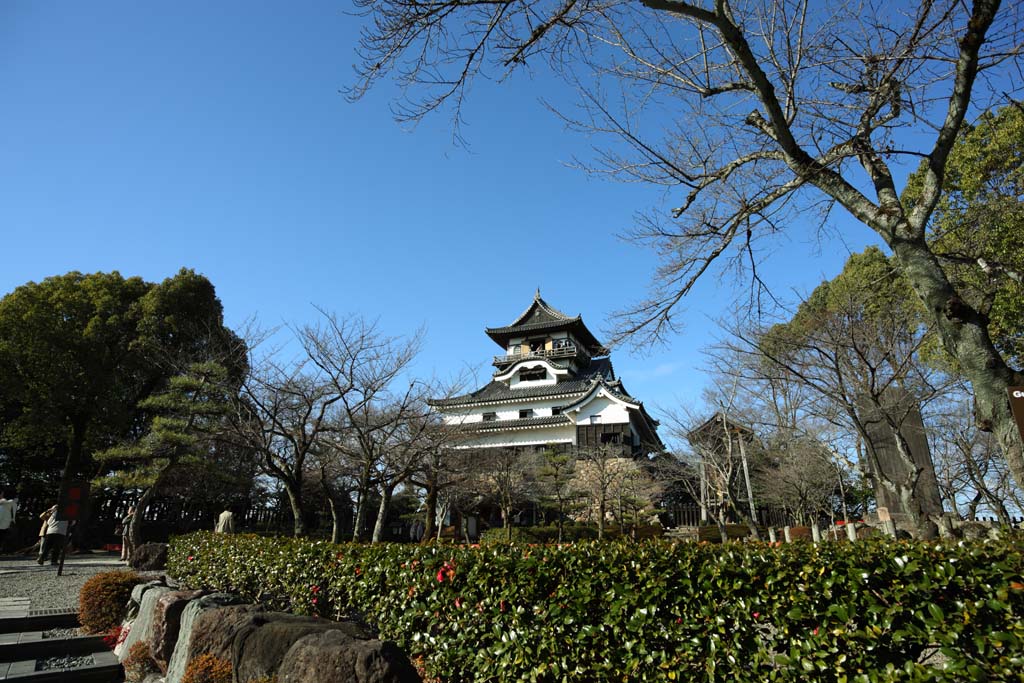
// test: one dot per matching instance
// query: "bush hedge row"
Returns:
(877, 610)
(570, 533)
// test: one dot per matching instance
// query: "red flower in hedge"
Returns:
(757, 615)
(458, 603)
(358, 571)
(447, 571)
(190, 558)
(314, 589)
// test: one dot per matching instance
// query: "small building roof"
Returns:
(707, 429)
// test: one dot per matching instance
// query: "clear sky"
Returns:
(143, 137)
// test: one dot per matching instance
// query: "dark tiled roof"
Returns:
(541, 316)
(534, 326)
(499, 391)
(539, 311)
(545, 421)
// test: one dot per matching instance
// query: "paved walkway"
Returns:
(14, 607)
(18, 565)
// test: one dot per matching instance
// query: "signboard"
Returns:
(72, 500)
(1017, 406)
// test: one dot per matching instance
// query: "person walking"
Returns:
(8, 515)
(127, 538)
(225, 523)
(55, 534)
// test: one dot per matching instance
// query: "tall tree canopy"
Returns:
(78, 352)
(751, 114)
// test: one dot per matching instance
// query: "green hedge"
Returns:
(870, 611)
(570, 533)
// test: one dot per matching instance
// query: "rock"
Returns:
(260, 645)
(214, 630)
(166, 622)
(149, 556)
(142, 627)
(336, 656)
(179, 660)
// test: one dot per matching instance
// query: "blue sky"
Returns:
(143, 137)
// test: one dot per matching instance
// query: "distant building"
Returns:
(553, 384)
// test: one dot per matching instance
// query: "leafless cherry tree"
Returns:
(282, 412)
(753, 114)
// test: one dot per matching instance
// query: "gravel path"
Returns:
(22, 577)
(65, 662)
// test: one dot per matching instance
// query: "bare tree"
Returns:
(797, 106)
(601, 474)
(510, 475)
(859, 353)
(971, 475)
(281, 414)
(382, 412)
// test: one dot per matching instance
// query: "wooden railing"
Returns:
(567, 351)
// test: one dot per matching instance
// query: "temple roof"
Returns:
(540, 316)
(543, 421)
(496, 392)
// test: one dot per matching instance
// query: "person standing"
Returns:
(225, 523)
(127, 539)
(8, 515)
(56, 535)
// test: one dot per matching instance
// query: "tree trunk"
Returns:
(601, 506)
(360, 516)
(135, 530)
(965, 337)
(382, 513)
(295, 499)
(506, 519)
(335, 519)
(430, 523)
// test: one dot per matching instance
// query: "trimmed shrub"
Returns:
(139, 663)
(571, 533)
(207, 669)
(877, 610)
(103, 600)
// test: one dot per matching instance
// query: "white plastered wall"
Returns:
(523, 437)
(610, 410)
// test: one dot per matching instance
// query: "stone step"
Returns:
(104, 669)
(32, 645)
(38, 620)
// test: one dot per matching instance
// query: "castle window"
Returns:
(525, 413)
(610, 438)
(490, 417)
(557, 410)
(532, 374)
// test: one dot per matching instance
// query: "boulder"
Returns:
(149, 556)
(260, 645)
(142, 627)
(214, 630)
(166, 623)
(336, 656)
(179, 659)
